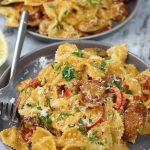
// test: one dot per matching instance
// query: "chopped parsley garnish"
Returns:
(31, 105)
(45, 81)
(69, 72)
(99, 143)
(49, 88)
(108, 58)
(91, 139)
(50, 5)
(83, 129)
(63, 115)
(80, 121)
(109, 84)
(39, 108)
(46, 120)
(103, 65)
(95, 134)
(98, 51)
(129, 92)
(71, 125)
(78, 53)
(118, 84)
(49, 104)
(90, 121)
(77, 109)
(57, 68)
(94, 3)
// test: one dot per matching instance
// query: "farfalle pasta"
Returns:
(87, 99)
(66, 18)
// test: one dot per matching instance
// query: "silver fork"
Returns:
(8, 94)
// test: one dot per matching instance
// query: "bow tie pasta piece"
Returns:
(42, 139)
(7, 2)
(118, 53)
(12, 138)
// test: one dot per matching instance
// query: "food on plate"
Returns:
(3, 49)
(66, 18)
(86, 99)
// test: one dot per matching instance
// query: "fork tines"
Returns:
(7, 111)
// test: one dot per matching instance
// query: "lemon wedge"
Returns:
(3, 49)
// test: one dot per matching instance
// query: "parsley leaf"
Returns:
(57, 68)
(118, 84)
(99, 143)
(98, 51)
(46, 120)
(129, 92)
(69, 72)
(80, 121)
(39, 108)
(49, 87)
(50, 5)
(95, 134)
(94, 3)
(83, 129)
(63, 115)
(109, 84)
(71, 125)
(78, 53)
(91, 139)
(77, 109)
(31, 105)
(49, 104)
(103, 65)
(90, 121)
(108, 58)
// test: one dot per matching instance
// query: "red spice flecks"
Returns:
(67, 92)
(34, 83)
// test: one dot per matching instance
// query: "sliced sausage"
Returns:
(92, 91)
(134, 118)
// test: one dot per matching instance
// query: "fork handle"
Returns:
(19, 42)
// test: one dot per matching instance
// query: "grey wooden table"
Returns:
(136, 34)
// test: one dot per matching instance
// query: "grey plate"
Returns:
(29, 66)
(132, 7)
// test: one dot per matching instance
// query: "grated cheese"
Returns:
(43, 62)
(40, 91)
(43, 112)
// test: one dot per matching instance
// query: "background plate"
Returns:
(30, 65)
(132, 6)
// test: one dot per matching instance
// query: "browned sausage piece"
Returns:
(92, 91)
(134, 119)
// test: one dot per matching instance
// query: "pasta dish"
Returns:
(87, 99)
(66, 18)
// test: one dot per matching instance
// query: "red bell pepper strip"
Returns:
(67, 92)
(136, 98)
(119, 96)
(26, 135)
(100, 120)
(34, 83)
